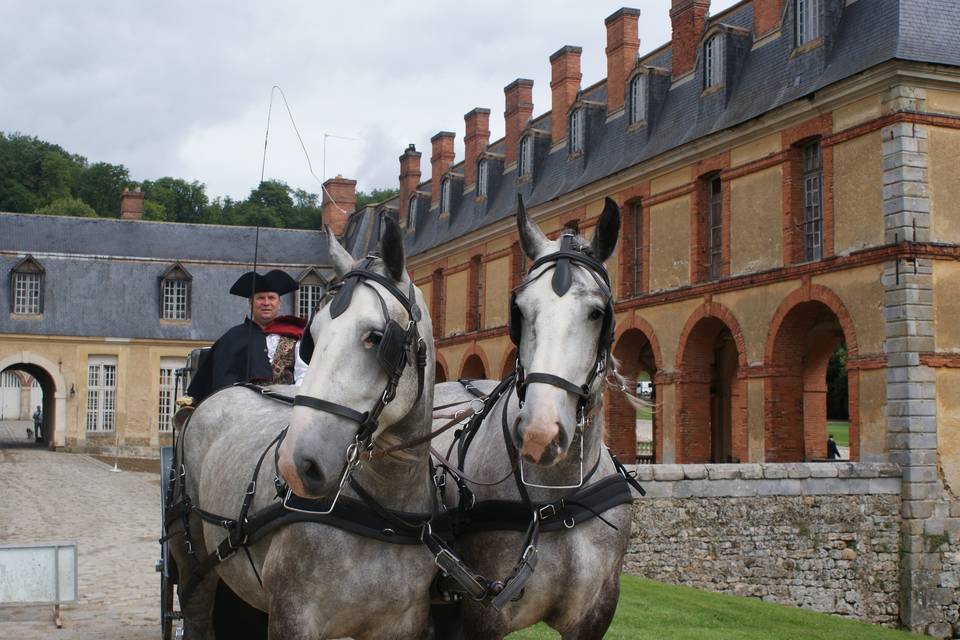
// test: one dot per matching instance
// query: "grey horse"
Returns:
(319, 581)
(575, 587)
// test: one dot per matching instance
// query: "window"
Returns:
(101, 393)
(311, 292)
(715, 229)
(482, 178)
(638, 98)
(411, 211)
(168, 392)
(812, 202)
(636, 259)
(175, 293)
(26, 287)
(525, 159)
(713, 61)
(445, 196)
(575, 131)
(808, 21)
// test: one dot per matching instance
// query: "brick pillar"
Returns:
(623, 42)
(911, 388)
(564, 85)
(475, 142)
(131, 204)
(620, 426)
(440, 162)
(518, 101)
(409, 179)
(766, 16)
(688, 18)
(337, 203)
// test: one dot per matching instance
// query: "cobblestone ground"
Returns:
(115, 520)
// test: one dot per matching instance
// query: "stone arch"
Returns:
(474, 364)
(638, 352)
(55, 392)
(711, 420)
(509, 364)
(806, 329)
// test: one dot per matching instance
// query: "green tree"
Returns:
(154, 211)
(68, 206)
(375, 196)
(837, 393)
(100, 186)
(181, 200)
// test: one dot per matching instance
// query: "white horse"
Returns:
(562, 321)
(315, 580)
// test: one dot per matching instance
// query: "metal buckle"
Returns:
(252, 488)
(547, 511)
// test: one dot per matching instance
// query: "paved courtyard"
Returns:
(113, 517)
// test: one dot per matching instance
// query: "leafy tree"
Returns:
(375, 196)
(837, 394)
(181, 200)
(68, 206)
(101, 185)
(154, 211)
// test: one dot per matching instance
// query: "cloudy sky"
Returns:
(182, 89)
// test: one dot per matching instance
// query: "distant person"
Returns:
(833, 453)
(37, 424)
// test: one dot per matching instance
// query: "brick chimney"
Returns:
(440, 161)
(766, 16)
(623, 42)
(475, 142)
(337, 203)
(688, 18)
(131, 204)
(518, 98)
(409, 179)
(564, 85)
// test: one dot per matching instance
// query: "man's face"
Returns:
(266, 307)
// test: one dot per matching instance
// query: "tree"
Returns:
(837, 393)
(375, 196)
(68, 207)
(101, 185)
(181, 200)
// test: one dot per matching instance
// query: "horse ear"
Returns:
(532, 239)
(340, 257)
(607, 232)
(391, 248)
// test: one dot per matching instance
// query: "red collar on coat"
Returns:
(289, 326)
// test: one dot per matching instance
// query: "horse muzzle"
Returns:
(541, 442)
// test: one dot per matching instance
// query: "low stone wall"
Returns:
(823, 536)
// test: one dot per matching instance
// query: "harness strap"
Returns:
(331, 407)
(582, 391)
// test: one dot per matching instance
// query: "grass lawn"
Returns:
(841, 432)
(657, 611)
(646, 413)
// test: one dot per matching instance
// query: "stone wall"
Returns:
(823, 536)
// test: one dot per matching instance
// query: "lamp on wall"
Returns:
(73, 391)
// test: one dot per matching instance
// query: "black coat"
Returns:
(227, 362)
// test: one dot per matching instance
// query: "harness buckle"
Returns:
(252, 488)
(547, 511)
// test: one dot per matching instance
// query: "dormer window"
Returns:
(482, 175)
(808, 21)
(26, 287)
(445, 196)
(411, 211)
(175, 293)
(638, 98)
(575, 132)
(713, 62)
(525, 159)
(310, 293)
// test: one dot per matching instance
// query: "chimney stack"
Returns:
(623, 43)
(518, 100)
(475, 142)
(337, 203)
(688, 18)
(564, 85)
(131, 204)
(440, 161)
(766, 16)
(409, 179)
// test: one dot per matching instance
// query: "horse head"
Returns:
(561, 318)
(371, 366)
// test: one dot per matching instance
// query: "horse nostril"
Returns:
(310, 471)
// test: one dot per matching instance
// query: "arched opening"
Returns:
(711, 420)
(799, 390)
(510, 364)
(633, 431)
(473, 368)
(440, 373)
(35, 387)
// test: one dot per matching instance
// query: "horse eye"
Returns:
(373, 338)
(596, 314)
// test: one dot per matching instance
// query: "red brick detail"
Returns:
(474, 364)
(699, 400)
(688, 18)
(518, 99)
(766, 16)
(637, 350)
(475, 142)
(638, 324)
(792, 192)
(564, 86)
(440, 162)
(409, 179)
(337, 203)
(623, 42)
(475, 295)
(442, 368)
(517, 265)
(797, 353)
(940, 360)
(866, 363)
(437, 312)
(509, 364)
(706, 170)
(631, 200)
(131, 204)
(477, 336)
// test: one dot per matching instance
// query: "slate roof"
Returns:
(868, 33)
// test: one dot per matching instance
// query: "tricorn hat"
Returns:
(252, 282)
